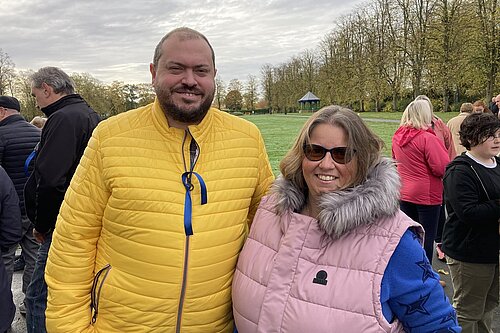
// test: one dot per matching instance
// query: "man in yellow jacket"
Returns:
(157, 212)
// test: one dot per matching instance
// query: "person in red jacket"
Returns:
(421, 160)
(443, 132)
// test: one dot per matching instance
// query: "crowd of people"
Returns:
(168, 218)
(452, 188)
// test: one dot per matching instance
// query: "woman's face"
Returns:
(489, 148)
(326, 175)
(478, 109)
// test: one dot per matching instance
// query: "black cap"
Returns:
(10, 103)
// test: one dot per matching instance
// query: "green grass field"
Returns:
(279, 130)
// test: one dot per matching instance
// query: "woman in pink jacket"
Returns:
(329, 250)
(421, 159)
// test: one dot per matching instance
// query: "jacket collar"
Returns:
(199, 131)
(346, 210)
(62, 102)
(11, 119)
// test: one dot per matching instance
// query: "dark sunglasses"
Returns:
(316, 153)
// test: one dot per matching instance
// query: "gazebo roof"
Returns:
(309, 97)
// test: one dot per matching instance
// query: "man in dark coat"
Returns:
(69, 126)
(10, 234)
(18, 138)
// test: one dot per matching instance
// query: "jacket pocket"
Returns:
(95, 292)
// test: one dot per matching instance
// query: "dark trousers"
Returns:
(29, 251)
(428, 217)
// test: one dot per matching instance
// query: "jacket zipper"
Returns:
(95, 292)
(186, 248)
(183, 287)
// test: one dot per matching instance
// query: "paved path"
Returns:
(19, 324)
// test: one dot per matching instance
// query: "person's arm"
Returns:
(10, 214)
(436, 155)
(449, 143)
(2, 148)
(54, 163)
(70, 265)
(264, 181)
(464, 195)
(411, 291)
(447, 137)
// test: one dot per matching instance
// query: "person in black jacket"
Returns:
(471, 234)
(69, 126)
(18, 138)
(10, 234)
(495, 104)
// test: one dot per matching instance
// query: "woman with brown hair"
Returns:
(329, 250)
(481, 107)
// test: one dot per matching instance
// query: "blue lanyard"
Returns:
(188, 204)
(28, 161)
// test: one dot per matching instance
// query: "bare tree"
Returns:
(251, 94)
(7, 74)
(267, 84)
(488, 12)
(220, 92)
(416, 16)
(448, 48)
(309, 66)
(23, 93)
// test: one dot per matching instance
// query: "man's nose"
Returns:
(189, 78)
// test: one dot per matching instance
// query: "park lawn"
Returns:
(445, 116)
(279, 130)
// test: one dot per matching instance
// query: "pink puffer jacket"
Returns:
(298, 274)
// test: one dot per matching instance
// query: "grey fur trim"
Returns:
(346, 210)
(288, 197)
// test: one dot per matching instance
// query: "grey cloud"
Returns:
(115, 40)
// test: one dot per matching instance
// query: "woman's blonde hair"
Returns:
(366, 144)
(417, 114)
(427, 99)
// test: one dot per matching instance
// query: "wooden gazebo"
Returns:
(309, 102)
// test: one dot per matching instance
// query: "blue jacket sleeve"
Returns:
(411, 291)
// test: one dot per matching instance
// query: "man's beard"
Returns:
(184, 115)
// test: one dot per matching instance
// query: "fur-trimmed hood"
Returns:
(345, 210)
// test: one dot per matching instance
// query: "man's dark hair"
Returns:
(477, 128)
(184, 33)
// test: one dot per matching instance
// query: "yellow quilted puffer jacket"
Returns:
(121, 260)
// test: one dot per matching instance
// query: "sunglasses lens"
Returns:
(339, 155)
(314, 152)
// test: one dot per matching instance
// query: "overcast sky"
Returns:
(115, 39)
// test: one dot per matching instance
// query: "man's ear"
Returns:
(152, 70)
(47, 90)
